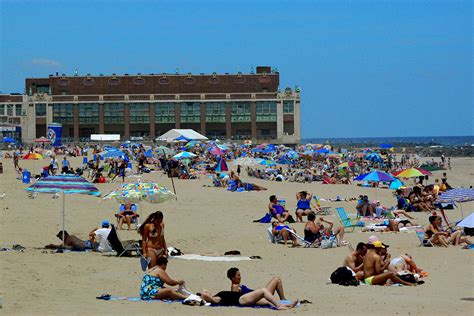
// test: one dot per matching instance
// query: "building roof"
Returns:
(184, 134)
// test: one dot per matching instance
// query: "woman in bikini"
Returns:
(440, 237)
(153, 238)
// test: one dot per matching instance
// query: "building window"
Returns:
(18, 110)
(114, 113)
(63, 114)
(266, 111)
(2, 109)
(288, 107)
(40, 109)
(215, 112)
(165, 112)
(190, 112)
(10, 108)
(139, 113)
(88, 113)
(240, 112)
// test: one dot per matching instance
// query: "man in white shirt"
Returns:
(98, 237)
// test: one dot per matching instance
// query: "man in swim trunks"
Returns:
(70, 242)
(355, 260)
(374, 267)
(275, 284)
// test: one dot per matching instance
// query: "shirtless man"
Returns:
(70, 242)
(355, 260)
(275, 284)
(374, 267)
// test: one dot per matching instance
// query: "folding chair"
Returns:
(346, 221)
(135, 220)
(123, 250)
(420, 233)
(302, 241)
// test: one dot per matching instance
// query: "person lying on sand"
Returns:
(275, 284)
(70, 242)
(374, 267)
(282, 231)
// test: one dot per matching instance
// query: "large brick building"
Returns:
(228, 106)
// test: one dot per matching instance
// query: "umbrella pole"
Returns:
(64, 207)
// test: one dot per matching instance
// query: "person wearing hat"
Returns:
(98, 237)
(374, 266)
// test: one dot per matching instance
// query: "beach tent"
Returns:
(181, 134)
(221, 166)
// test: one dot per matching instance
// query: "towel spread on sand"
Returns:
(212, 258)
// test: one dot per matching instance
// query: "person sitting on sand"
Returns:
(374, 268)
(153, 283)
(327, 231)
(278, 211)
(153, 238)
(303, 204)
(70, 242)
(440, 237)
(355, 260)
(98, 237)
(364, 207)
(235, 277)
(311, 230)
(127, 214)
(282, 231)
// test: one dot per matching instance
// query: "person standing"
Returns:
(65, 165)
(53, 165)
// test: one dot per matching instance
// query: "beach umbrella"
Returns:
(467, 222)
(183, 155)
(266, 162)
(65, 184)
(148, 153)
(374, 157)
(42, 139)
(386, 146)
(182, 139)
(456, 195)
(33, 156)
(8, 140)
(396, 184)
(411, 173)
(377, 176)
(221, 165)
(285, 161)
(292, 154)
(164, 150)
(137, 192)
(216, 151)
(245, 161)
(114, 153)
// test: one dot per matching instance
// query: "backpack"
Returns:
(344, 276)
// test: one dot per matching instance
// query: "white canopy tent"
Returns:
(173, 134)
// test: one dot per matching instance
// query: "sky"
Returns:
(365, 68)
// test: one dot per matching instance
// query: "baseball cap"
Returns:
(105, 223)
(378, 244)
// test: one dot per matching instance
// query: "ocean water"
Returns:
(376, 141)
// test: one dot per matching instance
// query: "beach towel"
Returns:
(267, 218)
(213, 258)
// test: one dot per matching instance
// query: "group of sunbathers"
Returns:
(155, 280)
(373, 265)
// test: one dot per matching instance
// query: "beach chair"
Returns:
(272, 238)
(134, 220)
(346, 221)
(302, 241)
(420, 233)
(123, 250)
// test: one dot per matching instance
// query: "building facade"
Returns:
(227, 106)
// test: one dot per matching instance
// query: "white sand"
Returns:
(210, 221)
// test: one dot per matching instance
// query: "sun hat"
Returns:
(373, 239)
(105, 223)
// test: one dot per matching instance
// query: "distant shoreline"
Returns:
(429, 141)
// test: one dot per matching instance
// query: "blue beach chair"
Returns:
(348, 221)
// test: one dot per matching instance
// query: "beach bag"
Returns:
(329, 242)
(344, 276)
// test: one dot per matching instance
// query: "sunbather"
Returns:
(278, 211)
(70, 242)
(234, 275)
(153, 238)
(153, 283)
(374, 267)
(355, 260)
(126, 215)
(328, 230)
(303, 204)
(403, 264)
(440, 237)
(282, 231)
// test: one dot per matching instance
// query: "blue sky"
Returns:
(365, 68)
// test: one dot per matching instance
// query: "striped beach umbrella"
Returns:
(183, 155)
(66, 184)
(456, 195)
(377, 176)
(33, 156)
(411, 173)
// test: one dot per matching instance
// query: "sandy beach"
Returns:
(207, 220)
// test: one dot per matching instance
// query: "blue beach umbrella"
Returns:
(386, 146)
(112, 154)
(374, 157)
(266, 162)
(377, 176)
(183, 155)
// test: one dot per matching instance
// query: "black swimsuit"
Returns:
(229, 298)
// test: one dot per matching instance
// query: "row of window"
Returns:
(10, 109)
